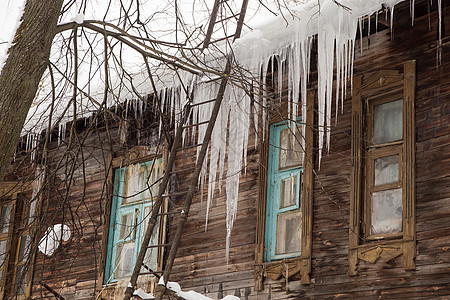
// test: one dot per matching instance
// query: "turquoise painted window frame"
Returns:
(118, 210)
(274, 179)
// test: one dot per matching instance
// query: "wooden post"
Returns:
(409, 128)
(307, 193)
(355, 185)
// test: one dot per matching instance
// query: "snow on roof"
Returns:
(9, 22)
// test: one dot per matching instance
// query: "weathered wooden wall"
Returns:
(201, 264)
(79, 200)
(72, 270)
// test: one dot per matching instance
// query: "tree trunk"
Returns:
(20, 76)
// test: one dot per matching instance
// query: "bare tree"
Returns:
(19, 78)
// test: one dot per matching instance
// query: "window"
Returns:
(284, 223)
(5, 228)
(382, 198)
(17, 213)
(135, 190)
(283, 212)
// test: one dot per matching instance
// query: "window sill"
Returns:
(274, 270)
(384, 250)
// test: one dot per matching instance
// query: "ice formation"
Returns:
(335, 27)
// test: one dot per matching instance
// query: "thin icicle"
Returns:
(376, 21)
(235, 153)
(360, 35)
(392, 23)
(439, 48)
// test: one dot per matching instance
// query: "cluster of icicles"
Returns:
(335, 27)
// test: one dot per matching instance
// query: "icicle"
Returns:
(223, 140)
(59, 134)
(429, 16)
(235, 147)
(360, 35)
(214, 156)
(280, 77)
(376, 21)
(439, 48)
(392, 23)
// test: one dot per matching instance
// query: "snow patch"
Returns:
(53, 237)
(143, 295)
(10, 19)
(231, 297)
(78, 18)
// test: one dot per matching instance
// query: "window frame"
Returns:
(19, 226)
(383, 87)
(118, 210)
(302, 263)
(276, 175)
(137, 154)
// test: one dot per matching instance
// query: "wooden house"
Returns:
(370, 221)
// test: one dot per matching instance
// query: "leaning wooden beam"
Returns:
(153, 217)
(212, 21)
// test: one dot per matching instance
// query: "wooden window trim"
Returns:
(392, 83)
(369, 188)
(138, 154)
(290, 266)
(12, 190)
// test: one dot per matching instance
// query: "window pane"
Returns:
(153, 174)
(289, 232)
(387, 209)
(151, 254)
(24, 249)
(126, 226)
(288, 195)
(388, 122)
(135, 183)
(32, 212)
(386, 170)
(2, 256)
(290, 148)
(19, 280)
(5, 218)
(147, 212)
(124, 260)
